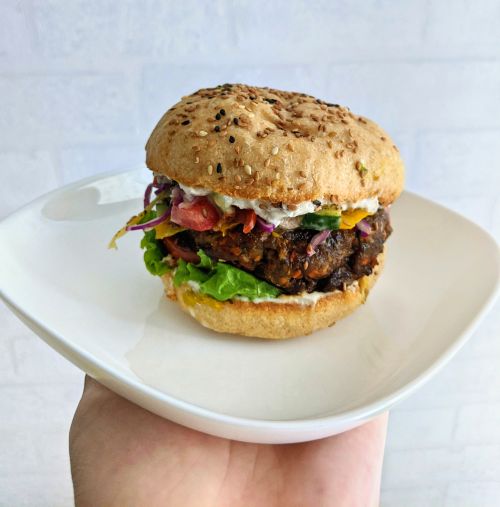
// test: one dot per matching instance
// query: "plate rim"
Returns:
(359, 414)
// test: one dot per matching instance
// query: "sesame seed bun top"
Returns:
(261, 143)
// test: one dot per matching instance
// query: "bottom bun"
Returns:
(269, 319)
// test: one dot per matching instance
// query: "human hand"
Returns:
(122, 455)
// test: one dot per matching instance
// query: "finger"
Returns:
(379, 424)
(93, 389)
(88, 383)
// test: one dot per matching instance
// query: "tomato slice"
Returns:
(199, 214)
(248, 218)
(180, 252)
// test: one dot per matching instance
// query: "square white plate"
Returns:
(104, 312)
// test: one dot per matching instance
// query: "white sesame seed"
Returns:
(248, 169)
(197, 160)
(275, 150)
(203, 133)
(210, 169)
(251, 114)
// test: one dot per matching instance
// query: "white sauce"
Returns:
(195, 286)
(265, 209)
(302, 299)
(270, 213)
(371, 205)
(192, 191)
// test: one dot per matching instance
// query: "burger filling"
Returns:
(237, 248)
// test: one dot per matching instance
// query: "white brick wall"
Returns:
(27, 174)
(82, 83)
(483, 494)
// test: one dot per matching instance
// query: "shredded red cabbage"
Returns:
(147, 195)
(177, 196)
(364, 228)
(151, 223)
(162, 187)
(316, 240)
(264, 226)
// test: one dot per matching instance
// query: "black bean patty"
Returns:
(281, 258)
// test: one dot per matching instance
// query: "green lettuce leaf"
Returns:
(222, 281)
(187, 271)
(205, 260)
(228, 281)
(149, 215)
(154, 254)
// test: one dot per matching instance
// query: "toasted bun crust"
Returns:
(260, 143)
(272, 320)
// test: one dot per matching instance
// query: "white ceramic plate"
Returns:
(104, 312)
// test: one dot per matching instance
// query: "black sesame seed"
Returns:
(219, 168)
(186, 122)
(217, 128)
(329, 104)
(317, 203)
(270, 101)
(231, 139)
(218, 116)
(235, 121)
(222, 112)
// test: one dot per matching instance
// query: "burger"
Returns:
(268, 210)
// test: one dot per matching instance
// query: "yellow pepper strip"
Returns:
(192, 298)
(350, 218)
(167, 229)
(226, 226)
(134, 220)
